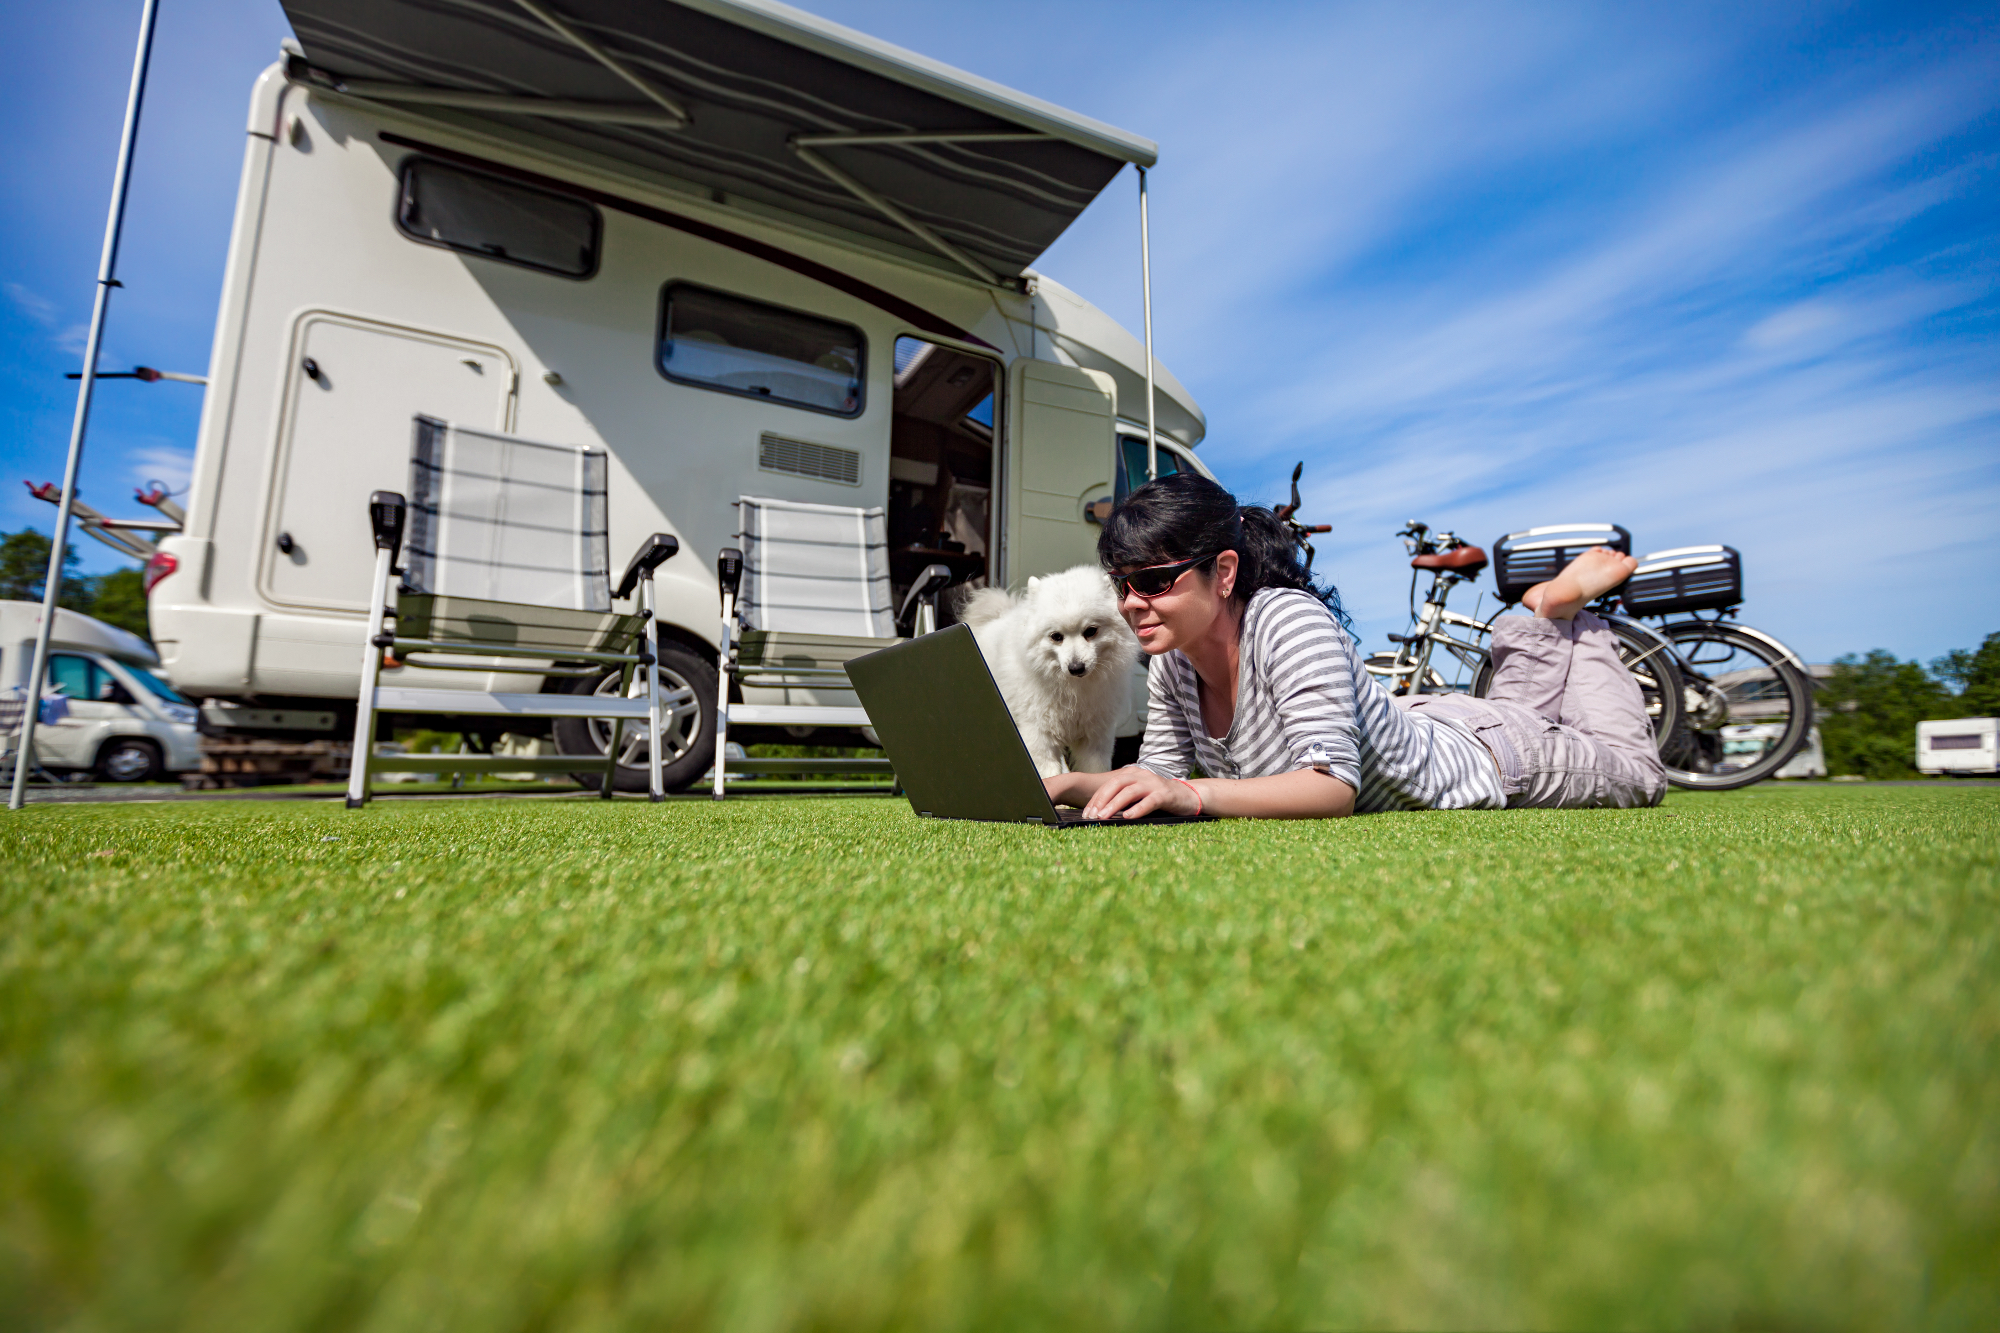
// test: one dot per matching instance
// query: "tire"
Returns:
(129, 759)
(692, 726)
(1729, 672)
(1433, 682)
(1659, 679)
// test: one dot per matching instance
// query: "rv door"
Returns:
(356, 387)
(1063, 452)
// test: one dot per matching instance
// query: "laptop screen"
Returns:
(947, 730)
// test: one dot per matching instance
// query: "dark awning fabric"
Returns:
(751, 75)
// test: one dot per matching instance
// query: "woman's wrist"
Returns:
(1200, 804)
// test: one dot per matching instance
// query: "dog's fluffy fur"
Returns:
(1062, 656)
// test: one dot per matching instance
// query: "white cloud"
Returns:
(33, 304)
(169, 464)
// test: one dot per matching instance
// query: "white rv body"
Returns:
(1745, 743)
(1959, 745)
(336, 329)
(119, 718)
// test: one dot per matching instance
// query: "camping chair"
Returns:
(807, 592)
(507, 562)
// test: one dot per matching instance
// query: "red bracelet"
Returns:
(1196, 790)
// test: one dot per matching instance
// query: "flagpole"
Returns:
(107, 267)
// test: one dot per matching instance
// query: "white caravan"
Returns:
(1959, 745)
(120, 720)
(745, 251)
(1745, 743)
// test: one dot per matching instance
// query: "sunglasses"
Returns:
(1155, 579)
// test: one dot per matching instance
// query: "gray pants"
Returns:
(1564, 717)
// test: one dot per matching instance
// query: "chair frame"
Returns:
(734, 670)
(631, 643)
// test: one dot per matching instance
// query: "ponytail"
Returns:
(1185, 515)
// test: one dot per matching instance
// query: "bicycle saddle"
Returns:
(1466, 560)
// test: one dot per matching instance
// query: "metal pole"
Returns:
(1146, 283)
(106, 269)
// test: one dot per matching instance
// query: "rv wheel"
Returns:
(687, 700)
(128, 759)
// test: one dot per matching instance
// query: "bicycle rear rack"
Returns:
(1688, 578)
(1523, 559)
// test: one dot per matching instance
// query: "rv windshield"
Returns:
(156, 685)
(760, 351)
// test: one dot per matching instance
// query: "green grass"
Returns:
(813, 1064)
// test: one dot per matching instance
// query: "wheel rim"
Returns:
(680, 715)
(1637, 657)
(1747, 712)
(127, 763)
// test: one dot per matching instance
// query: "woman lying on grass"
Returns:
(1255, 680)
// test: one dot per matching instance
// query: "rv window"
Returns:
(498, 219)
(79, 678)
(760, 351)
(1135, 461)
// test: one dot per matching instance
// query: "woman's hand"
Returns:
(1124, 791)
(1134, 791)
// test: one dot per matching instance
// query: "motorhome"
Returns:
(1966, 746)
(743, 251)
(112, 714)
(1745, 743)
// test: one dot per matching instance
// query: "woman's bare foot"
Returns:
(1584, 580)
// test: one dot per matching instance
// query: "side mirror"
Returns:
(655, 551)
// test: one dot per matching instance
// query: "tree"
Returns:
(24, 571)
(1869, 710)
(117, 598)
(1975, 674)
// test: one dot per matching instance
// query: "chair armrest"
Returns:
(655, 551)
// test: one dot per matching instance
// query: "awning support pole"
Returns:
(107, 266)
(609, 113)
(1146, 285)
(923, 136)
(897, 215)
(604, 58)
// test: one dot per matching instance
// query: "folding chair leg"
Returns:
(656, 787)
(371, 675)
(727, 662)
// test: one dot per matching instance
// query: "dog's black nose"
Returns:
(1078, 669)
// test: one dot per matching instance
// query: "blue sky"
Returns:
(1718, 273)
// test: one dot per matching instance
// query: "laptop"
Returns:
(956, 749)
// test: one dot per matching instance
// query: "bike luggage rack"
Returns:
(1523, 559)
(1688, 578)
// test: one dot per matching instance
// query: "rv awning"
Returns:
(749, 97)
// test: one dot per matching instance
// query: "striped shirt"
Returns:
(1303, 701)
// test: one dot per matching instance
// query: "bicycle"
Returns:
(1696, 674)
(1727, 670)
(1452, 560)
(1288, 514)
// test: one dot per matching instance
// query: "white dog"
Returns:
(1062, 656)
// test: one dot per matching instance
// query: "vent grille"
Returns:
(802, 458)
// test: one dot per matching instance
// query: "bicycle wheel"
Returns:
(1378, 663)
(1652, 666)
(1748, 706)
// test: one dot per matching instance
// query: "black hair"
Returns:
(1184, 515)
